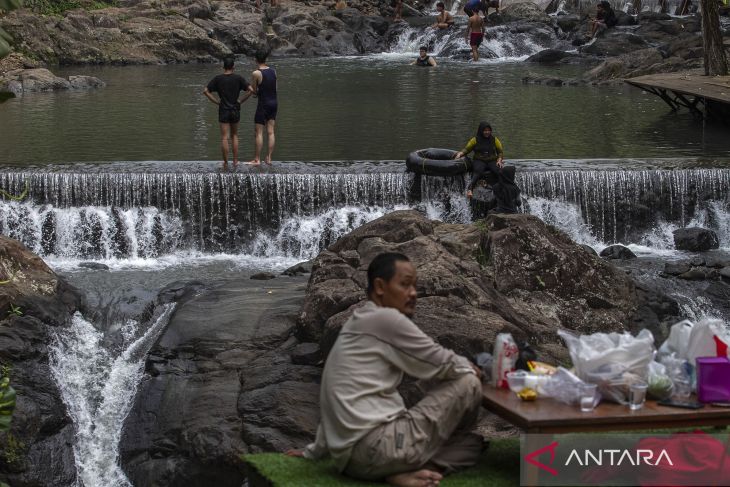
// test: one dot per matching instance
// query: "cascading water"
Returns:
(501, 42)
(98, 388)
(131, 215)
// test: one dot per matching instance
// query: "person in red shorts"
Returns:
(475, 34)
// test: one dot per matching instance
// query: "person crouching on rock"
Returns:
(488, 155)
(605, 18)
(423, 58)
(444, 19)
(365, 426)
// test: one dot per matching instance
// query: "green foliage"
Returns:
(12, 451)
(499, 467)
(15, 310)
(5, 39)
(7, 400)
(58, 7)
(52, 7)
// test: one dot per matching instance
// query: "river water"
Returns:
(341, 109)
(129, 176)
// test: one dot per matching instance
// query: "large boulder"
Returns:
(695, 239)
(22, 81)
(34, 301)
(508, 273)
(617, 252)
(528, 11)
(220, 382)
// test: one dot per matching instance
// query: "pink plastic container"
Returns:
(713, 379)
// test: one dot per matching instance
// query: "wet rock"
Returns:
(589, 249)
(299, 269)
(717, 260)
(219, 383)
(96, 266)
(263, 276)
(178, 291)
(700, 274)
(615, 43)
(617, 252)
(568, 23)
(725, 272)
(695, 239)
(33, 300)
(644, 17)
(625, 66)
(548, 56)
(306, 354)
(676, 268)
(81, 82)
(524, 11)
(32, 80)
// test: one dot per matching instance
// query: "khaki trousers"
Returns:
(436, 432)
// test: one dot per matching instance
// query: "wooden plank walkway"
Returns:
(704, 96)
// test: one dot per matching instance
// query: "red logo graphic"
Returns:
(530, 457)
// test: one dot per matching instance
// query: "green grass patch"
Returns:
(57, 7)
(499, 467)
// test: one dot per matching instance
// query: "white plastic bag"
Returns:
(689, 341)
(678, 340)
(702, 340)
(613, 361)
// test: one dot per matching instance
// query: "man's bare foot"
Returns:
(419, 478)
(268, 160)
(254, 162)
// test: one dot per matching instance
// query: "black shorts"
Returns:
(229, 115)
(264, 113)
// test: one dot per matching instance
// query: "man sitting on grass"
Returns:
(364, 423)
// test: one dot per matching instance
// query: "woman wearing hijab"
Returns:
(488, 155)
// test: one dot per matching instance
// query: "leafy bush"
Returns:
(5, 39)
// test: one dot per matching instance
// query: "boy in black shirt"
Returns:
(228, 86)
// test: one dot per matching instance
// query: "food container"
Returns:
(713, 379)
(517, 380)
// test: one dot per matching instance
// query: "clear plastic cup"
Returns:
(637, 395)
(682, 389)
(587, 397)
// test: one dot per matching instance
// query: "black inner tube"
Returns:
(437, 162)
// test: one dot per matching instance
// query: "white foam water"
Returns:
(98, 388)
(303, 237)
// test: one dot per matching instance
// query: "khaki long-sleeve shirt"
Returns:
(376, 346)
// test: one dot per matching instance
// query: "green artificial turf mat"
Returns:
(499, 467)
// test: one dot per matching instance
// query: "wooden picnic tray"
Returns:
(547, 415)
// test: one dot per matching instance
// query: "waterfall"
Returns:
(98, 388)
(639, 206)
(107, 216)
(501, 42)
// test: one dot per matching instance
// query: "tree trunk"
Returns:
(714, 52)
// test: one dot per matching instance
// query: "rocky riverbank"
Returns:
(181, 31)
(34, 301)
